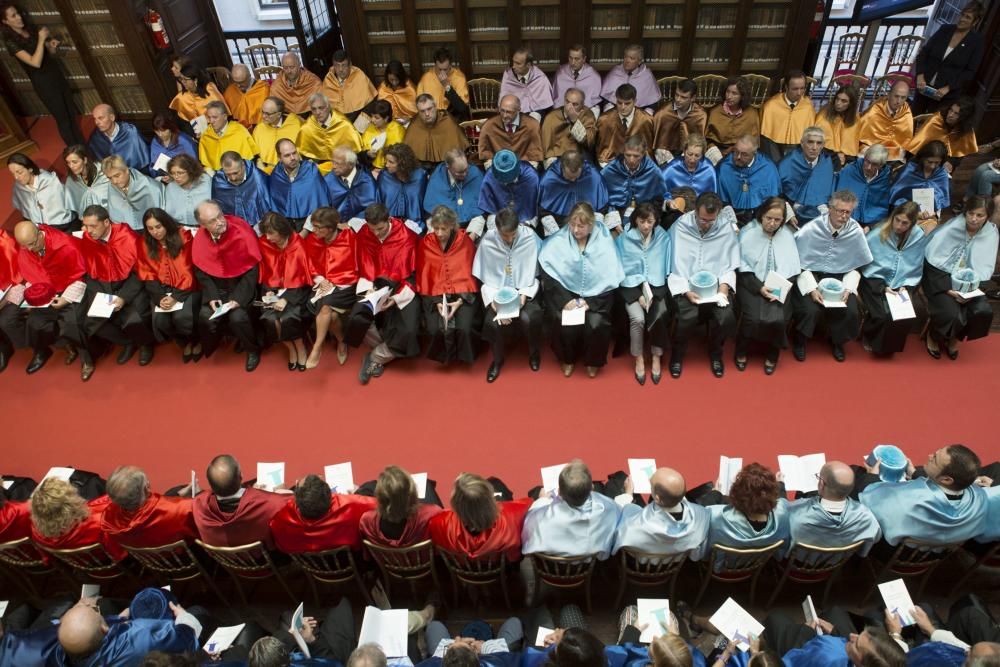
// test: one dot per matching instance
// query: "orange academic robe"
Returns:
(403, 100)
(611, 137)
(525, 140)
(878, 126)
(245, 107)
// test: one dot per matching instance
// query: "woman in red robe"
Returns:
(61, 519)
(477, 525)
(167, 273)
(333, 264)
(12, 318)
(400, 520)
(285, 286)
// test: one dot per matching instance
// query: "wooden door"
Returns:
(319, 25)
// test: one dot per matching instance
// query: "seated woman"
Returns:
(285, 287)
(477, 525)
(397, 89)
(168, 142)
(645, 251)
(400, 520)
(188, 186)
(197, 91)
(167, 273)
(15, 518)
(400, 186)
(967, 241)
(333, 265)
(380, 134)
(925, 171)
(452, 317)
(766, 245)
(954, 126)
(756, 516)
(733, 117)
(580, 271)
(131, 193)
(897, 246)
(86, 183)
(39, 195)
(838, 119)
(61, 519)
(691, 169)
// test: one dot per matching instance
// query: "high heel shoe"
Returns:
(300, 367)
(292, 365)
(641, 379)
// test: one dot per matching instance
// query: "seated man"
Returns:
(244, 96)
(432, 134)
(295, 85)
(241, 189)
(456, 184)
(226, 258)
(275, 124)
(807, 176)
(669, 524)
(347, 87)
(330, 642)
(12, 316)
(747, 178)
(510, 183)
(445, 83)
(323, 131)
(130, 192)
(114, 137)
(296, 186)
(577, 522)
(676, 121)
(233, 514)
(620, 124)
(351, 188)
(690, 169)
(831, 246)
(868, 178)
(571, 179)
(831, 518)
(316, 520)
(633, 71)
(513, 130)
(785, 116)
(633, 178)
(577, 73)
(889, 122)
(528, 84)
(137, 517)
(839, 644)
(570, 127)
(221, 136)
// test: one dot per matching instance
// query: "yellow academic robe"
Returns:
(959, 145)
(317, 142)
(879, 127)
(430, 84)
(781, 123)
(267, 137)
(403, 100)
(839, 137)
(234, 137)
(245, 107)
(189, 106)
(356, 92)
(393, 135)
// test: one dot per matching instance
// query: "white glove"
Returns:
(598, 218)
(578, 132)
(356, 224)
(663, 156)
(789, 211)
(476, 226)
(549, 225)
(612, 219)
(486, 165)
(549, 161)
(714, 155)
(491, 221)
(531, 222)
(415, 227)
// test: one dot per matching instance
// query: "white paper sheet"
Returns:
(654, 613)
(173, 309)
(3, 607)
(6, 484)
(647, 293)
(161, 162)
(59, 473)
(550, 478)
(386, 628)
(270, 475)
(90, 591)
(736, 624)
(897, 600)
(924, 198)
(777, 286)
(222, 310)
(640, 470)
(194, 484)
(340, 477)
(728, 469)
(800, 471)
(971, 295)
(834, 304)
(809, 611)
(103, 305)
(223, 638)
(543, 632)
(296, 630)
(574, 317)
(420, 479)
(900, 305)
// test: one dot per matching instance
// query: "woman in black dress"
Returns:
(35, 48)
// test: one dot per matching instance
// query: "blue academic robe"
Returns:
(522, 193)
(991, 527)
(128, 642)
(628, 655)
(38, 648)
(913, 178)
(873, 197)
(935, 654)
(820, 651)
(559, 529)
(183, 144)
(351, 202)
(806, 186)
(676, 175)
(440, 192)
(249, 200)
(504, 659)
(810, 523)
(896, 268)
(626, 189)
(654, 530)
(298, 198)
(558, 196)
(919, 509)
(128, 143)
(404, 200)
(746, 188)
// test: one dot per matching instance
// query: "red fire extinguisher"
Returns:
(155, 23)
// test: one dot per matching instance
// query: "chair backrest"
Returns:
(483, 570)
(734, 564)
(92, 560)
(651, 568)
(710, 88)
(221, 77)
(413, 562)
(247, 561)
(849, 52)
(332, 566)
(918, 121)
(759, 86)
(22, 553)
(484, 96)
(267, 73)
(472, 129)
(263, 54)
(884, 83)
(903, 49)
(563, 571)
(175, 561)
(914, 557)
(807, 562)
(667, 86)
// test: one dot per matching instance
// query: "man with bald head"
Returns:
(276, 124)
(889, 122)
(456, 184)
(831, 518)
(234, 514)
(139, 517)
(669, 524)
(244, 96)
(513, 130)
(117, 137)
(295, 85)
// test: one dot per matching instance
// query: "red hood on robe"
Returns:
(114, 260)
(15, 521)
(445, 271)
(336, 261)
(286, 267)
(295, 534)
(61, 266)
(415, 530)
(176, 272)
(235, 253)
(161, 520)
(448, 533)
(85, 533)
(393, 258)
(9, 273)
(249, 523)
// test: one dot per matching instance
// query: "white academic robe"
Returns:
(652, 529)
(48, 203)
(811, 523)
(919, 509)
(555, 528)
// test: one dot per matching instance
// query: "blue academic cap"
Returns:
(506, 166)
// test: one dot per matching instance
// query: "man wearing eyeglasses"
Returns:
(868, 178)
(747, 178)
(275, 125)
(325, 130)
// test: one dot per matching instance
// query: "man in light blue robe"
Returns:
(115, 137)
(129, 200)
(241, 189)
(351, 188)
(567, 181)
(991, 527)
(633, 178)
(512, 184)
(807, 176)
(456, 184)
(747, 178)
(577, 522)
(831, 518)
(669, 524)
(296, 186)
(945, 507)
(868, 179)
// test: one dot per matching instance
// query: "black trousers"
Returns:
(782, 634)
(842, 323)
(46, 327)
(460, 342)
(588, 341)
(13, 328)
(885, 335)
(130, 325)
(964, 321)
(721, 324)
(57, 97)
(237, 322)
(760, 319)
(528, 324)
(180, 325)
(293, 320)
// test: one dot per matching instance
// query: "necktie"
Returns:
(791, 105)
(510, 128)
(624, 123)
(576, 75)
(524, 80)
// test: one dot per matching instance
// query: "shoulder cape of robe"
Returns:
(128, 143)
(959, 144)
(877, 126)
(394, 134)
(873, 197)
(431, 143)
(294, 534)
(353, 95)
(893, 266)
(161, 520)
(587, 80)
(913, 178)
(61, 266)
(86, 532)
(627, 188)
(535, 95)
(919, 509)
(644, 262)
(559, 196)
(234, 137)
(286, 267)
(183, 145)
(671, 132)
(654, 530)
(248, 523)
(723, 130)
(440, 191)
(821, 251)
(525, 141)
(236, 252)
(810, 523)
(351, 202)
(806, 185)
(557, 528)
(717, 251)
(430, 84)
(415, 530)
(494, 257)
(403, 100)
(249, 200)
(556, 137)
(747, 187)
(296, 98)
(730, 527)
(9, 273)
(448, 533)
(446, 271)
(176, 272)
(190, 105)
(394, 258)
(266, 138)
(761, 254)
(317, 142)
(840, 138)
(336, 261)
(589, 273)
(114, 260)
(676, 175)
(647, 91)
(298, 198)
(522, 193)
(951, 248)
(143, 193)
(48, 203)
(245, 107)
(404, 200)
(781, 123)
(611, 137)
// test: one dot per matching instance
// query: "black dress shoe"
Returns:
(253, 360)
(187, 357)
(641, 379)
(71, 354)
(291, 365)
(87, 371)
(675, 369)
(741, 365)
(127, 353)
(196, 356)
(952, 355)
(145, 354)
(718, 370)
(838, 352)
(535, 360)
(4, 360)
(934, 353)
(769, 368)
(38, 361)
(493, 372)
(799, 351)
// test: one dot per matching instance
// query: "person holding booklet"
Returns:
(839, 644)
(756, 515)
(925, 172)
(314, 519)
(831, 518)
(669, 524)
(285, 286)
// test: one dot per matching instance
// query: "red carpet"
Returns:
(169, 418)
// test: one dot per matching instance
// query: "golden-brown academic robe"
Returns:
(189, 106)
(723, 130)
(266, 137)
(840, 138)
(878, 126)
(356, 91)
(403, 100)
(430, 84)
(959, 144)
(296, 98)
(430, 144)
(525, 140)
(611, 137)
(317, 142)
(556, 137)
(781, 123)
(670, 132)
(245, 107)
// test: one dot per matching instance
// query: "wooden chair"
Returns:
(484, 96)
(564, 572)
(409, 564)
(247, 562)
(808, 564)
(857, 80)
(710, 89)
(262, 54)
(759, 86)
(918, 121)
(333, 566)
(22, 561)
(732, 565)
(912, 558)
(989, 559)
(91, 562)
(267, 73)
(472, 128)
(174, 563)
(849, 48)
(648, 569)
(902, 52)
(221, 77)
(476, 573)
(668, 85)
(884, 83)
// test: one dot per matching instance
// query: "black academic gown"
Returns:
(239, 321)
(949, 318)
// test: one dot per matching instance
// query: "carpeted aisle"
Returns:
(170, 418)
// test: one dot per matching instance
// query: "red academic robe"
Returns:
(294, 534)
(415, 530)
(161, 520)
(176, 272)
(235, 253)
(9, 273)
(15, 521)
(249, 523)
(286, 267)
(393, 259)
(112, 261)
(336, 261)
(448, 533)
(61, 266)
(445, 272)
(85, 533)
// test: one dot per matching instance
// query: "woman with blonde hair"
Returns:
(477, 525)
(62, 519)
(400, 520)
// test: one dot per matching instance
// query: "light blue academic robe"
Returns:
(49, 203)
(592, 272)
(249, 200)
(558, 196)
(873, 197)
(81, 195)
(128, 143)
(404, 200)
(648, 263)
(652, 529)
(676, 175)
(559, 529)
(352, 201)
(298, 198)
(760, 179)
(920, 510)
(440, 192)
(730, 527)
(522, 193)
(896, 268)
(183, 145)
(810, 523)
(912, 178)
(626, 189)
(804, 185)
(181, 202)
(143, 193)
(991, 527)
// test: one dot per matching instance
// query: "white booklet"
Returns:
(59, 473)
(161, 163)
(420, 479)
(800, 471)
(640, 470)
(834, 304)
(647, 293)
(173, 309)
(777, 286)
(654, 613)
(971, 295)
(223, 638)
(736, 624)
(103, 305)
(809, 611)
(386, 628)
(900, 305)
(295, 630)
(550, 478)
(543, 632)
(897, 600)
(340, 477)
(90, 591)
(222, 310)
(574, 317)
(924, 198)
(270, 475)
(728, 469)
(3, 607)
